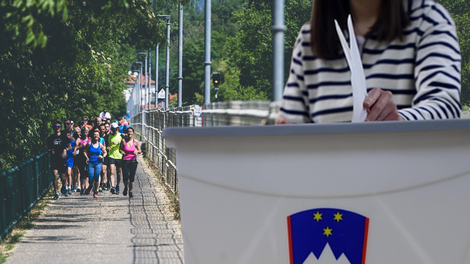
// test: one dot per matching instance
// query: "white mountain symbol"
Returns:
(326, 257)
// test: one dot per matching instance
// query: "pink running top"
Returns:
(83, 142)
(129, 152)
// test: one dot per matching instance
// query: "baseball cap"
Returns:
(114, 125)
(104, 110)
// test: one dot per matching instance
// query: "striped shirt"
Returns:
(422, 71)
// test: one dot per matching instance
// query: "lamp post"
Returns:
(278, 48)
(140, 98)
(167, 81)
(146, 86)
(150, 79)
(180, 55)
(156, 76)
(207, 52)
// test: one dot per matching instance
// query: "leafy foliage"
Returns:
(64, 59)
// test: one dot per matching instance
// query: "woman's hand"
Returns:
(380, 106)
(282, 121)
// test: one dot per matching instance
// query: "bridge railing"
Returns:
(233, 113)
(21, 187)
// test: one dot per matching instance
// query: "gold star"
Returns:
(317, 216)
(327, 231)
(338, 217)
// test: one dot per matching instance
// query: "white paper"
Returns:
(358, 78)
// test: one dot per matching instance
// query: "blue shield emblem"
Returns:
(344, 232)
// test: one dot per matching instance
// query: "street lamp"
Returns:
(146, 80)
(167, 81)
(139, 97)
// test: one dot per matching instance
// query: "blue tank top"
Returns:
(70, 152)
(93, 153)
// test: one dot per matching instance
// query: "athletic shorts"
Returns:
(70, 163)
(59, 164)
(117, 162)
(106, 161)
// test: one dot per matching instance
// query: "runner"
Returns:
(68, 128)
(80, 159)
(58, 145)
(108, 171)
(115, 157)
(129, 149)
(95, 152)
(98, 122)
(70, 161)
(104, 141)
(122, 126)
(76, 172)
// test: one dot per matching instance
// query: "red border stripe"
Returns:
(291, 252)
(364, 248)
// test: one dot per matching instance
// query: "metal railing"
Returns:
(21, 187)
(234, 113)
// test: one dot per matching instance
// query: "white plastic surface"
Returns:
(237, 192)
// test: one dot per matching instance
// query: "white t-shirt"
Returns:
(106, 115)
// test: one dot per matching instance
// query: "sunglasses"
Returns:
(67, 123)
(58, 126)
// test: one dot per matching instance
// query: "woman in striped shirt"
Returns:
(410, 54)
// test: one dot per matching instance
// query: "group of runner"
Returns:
(93, 156)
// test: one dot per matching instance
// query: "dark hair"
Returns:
(57, 122)
(102, 125)
(127, 130)
(324, 41)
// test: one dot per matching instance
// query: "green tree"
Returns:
(460, 11)
(63, 59)
(251, 49)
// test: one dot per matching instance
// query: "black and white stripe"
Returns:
(422, 72)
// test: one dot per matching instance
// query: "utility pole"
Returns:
(167, 82)
(207, 52)
(180, 55)
(278, 48)
(150, 78)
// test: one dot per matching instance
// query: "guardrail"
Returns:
(21, 187)
(234, 113)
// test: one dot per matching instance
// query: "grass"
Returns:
(175, 205)
(19, 230)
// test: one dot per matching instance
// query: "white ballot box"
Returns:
(387, 193)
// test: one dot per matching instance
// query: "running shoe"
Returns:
(125, 191)
(108, 185)
(88, 191)
(131, 195)
(113, 190)
(66, 194)
(95, 195)
(56, 196)
(82, 191)
(79, 189)
(117, 190)
(63, 189)
(70, 190)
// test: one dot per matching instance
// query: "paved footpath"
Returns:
(110, 229)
